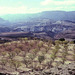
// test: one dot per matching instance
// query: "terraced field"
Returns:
(25, 55)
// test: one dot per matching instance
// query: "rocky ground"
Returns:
(36, 57)
(60, 70)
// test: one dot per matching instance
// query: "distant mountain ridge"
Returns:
(59, 15)
(48, 23)
(4, 22)
(54, 15)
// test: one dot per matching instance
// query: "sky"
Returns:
(35, 6)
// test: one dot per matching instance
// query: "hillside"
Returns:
(16, 35)
(69, 34)
(37, 57)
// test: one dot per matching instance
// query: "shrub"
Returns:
(11, 55)
(40, 45)
(74, 41)
(47, 48)
(61, 39)
(17, 50)
(20, 46)
(3, 63)
(16, 64)
(74, 57)
(35, 51)
(53, 56)
(41, 58)
(3, 54)
(26, 62)
(31, 56)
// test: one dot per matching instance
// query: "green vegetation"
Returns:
(41, 58)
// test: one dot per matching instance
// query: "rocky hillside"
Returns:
(37, 57)
(53, 24)
(69, 35)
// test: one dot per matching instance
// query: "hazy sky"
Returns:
(34, 6)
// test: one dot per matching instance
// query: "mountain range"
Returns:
(54, 15)
(48, 22)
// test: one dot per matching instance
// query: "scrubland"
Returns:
(26, 56)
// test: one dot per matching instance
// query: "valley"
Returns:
(44, 23)
(37, 44)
